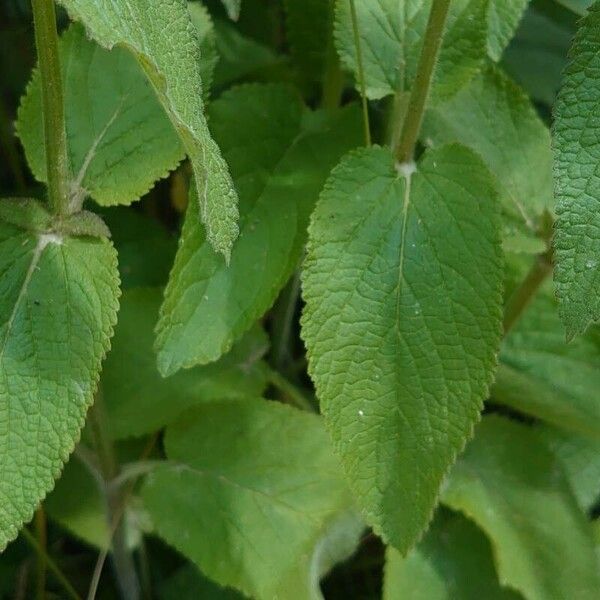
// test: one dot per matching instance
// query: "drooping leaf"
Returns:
(537, 367)
(253, 488)
(580, 458)
(58, 304)
(402, 284)
(453, 561)
(280, 158)
(139, 401)
(576, 130)
(503, 18)
(171, 63)
(494, 117)
(119, 139)
(511, 485)
(392, 33)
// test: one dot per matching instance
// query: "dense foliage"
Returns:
(298, 299)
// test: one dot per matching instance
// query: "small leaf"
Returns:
(454, 561)
(139, 401)
(576, 130)
(494, 117)
(392, 33)
(58, 305)
(171, 64)
(402, 284)
(511, 485)
(280, 159)
(253, 487)
(26, 213)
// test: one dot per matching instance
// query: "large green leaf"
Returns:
(402, 285)
(253, 490)
(453, 562)
(170, 61)
(512, 486)
(576, 130)
(119, 139)
(540, 374)
(58, 305)
(494, 117)
(280, 158)
(139, 401)
(392, 33)
(502, 18)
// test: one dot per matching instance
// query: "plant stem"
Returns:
(525, 292)
(122, 558)
(283, 320)
(55, 139)
(52, 567)
(361, 72)
(333, 79)
(40, 531)
(420, 90)
(295, 395)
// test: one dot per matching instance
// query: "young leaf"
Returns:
(58, 305)
(494, 117)
(171, 64)
(392, 33)
(454, 561)
(139, 401)
(576, 130)
(402, 284)
(279, 160)
(253, 487)
(511, 485)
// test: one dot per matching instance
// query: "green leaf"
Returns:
(253, 488)
(580, 458)
(511, 485)
(577, 232)
(454, 561)
(209, 56)
(279, 158)
(119, 139)
(503, 18)
(537, 367)
(58, 305)
(494, 117)
(139, 401)
(189, 584)
(402, 284)
(172, 66)
(392, 33)
(233, 8)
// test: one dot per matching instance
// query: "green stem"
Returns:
(52, 567)
(361, 72)
(525, 292)
(283, 320)
(333, 79)
(420, 90)
(55, 139)
(295, 395)
(122, 558)
(41, 534)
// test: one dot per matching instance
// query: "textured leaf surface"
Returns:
(253, 487)
(392, 34)
(511, 485)
(402, 286)
(577, 153)
(138, 400)
(454, 561)
(280, 158)
(172, 66)
(208, 57)
(495, 118)
(120, 140)
(537, 370)
(58, 303)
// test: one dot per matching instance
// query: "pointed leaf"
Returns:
(511, 485)
(171, 64)
(253, 487)
(402, 285)
(576, 131)
(279, 159)
(58, 307)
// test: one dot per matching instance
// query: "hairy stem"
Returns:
(55, 139)
(525, 292)
(122, 558)
(420, 90)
